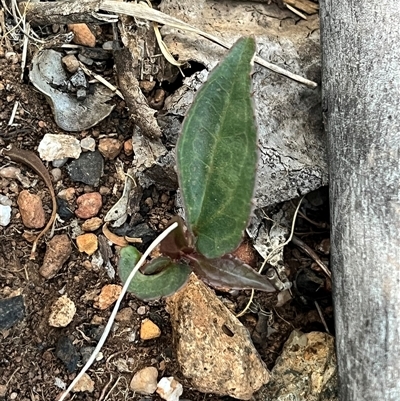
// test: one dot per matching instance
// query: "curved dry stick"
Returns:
(32, 161)
(302, 245)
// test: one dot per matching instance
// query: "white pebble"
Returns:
(59, 146)
(169, 389)
(5, 201)
(88, 144)
(5, 215)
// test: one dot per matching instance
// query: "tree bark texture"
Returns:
(361, 103)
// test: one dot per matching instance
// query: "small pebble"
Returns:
(47, 356)
(92, 224)
(59, 146)
(88, 144)
(71, 63)
(128, 147)
(110, 148)
(87, 264)
(109, 294)
(10, 172)
(57, 253)
(144, 381)
(104, 190)
(67, 194)
(31, 209)
(169, 389)
(62, 312)
(86, 353)
(12, 56)
(87, 243)
(5, 215)
(12, 311)
(88, 205)
(13, 396)
(78, 80)
(147, 86)
(59, 162)
(84, 384)
(124, 315)
(64, 210)
(97, 320)
(109, 45)
(3, 390)
(87, 169)
(82, 35)
(5, 200)
(149, 330)
(141, 310)
(56, 174)
(66, 351)
(81, 94)
(85, 60)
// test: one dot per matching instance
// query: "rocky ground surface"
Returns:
(53, 308)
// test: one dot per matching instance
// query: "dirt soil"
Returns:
(28, 362)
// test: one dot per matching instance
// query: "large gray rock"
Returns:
(292, 143)
(306, 370)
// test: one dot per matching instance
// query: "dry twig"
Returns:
(302, 245)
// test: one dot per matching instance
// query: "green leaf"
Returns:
(229, 272)
(129, 256)
(155, 286)
(156, 265)
(217, 154)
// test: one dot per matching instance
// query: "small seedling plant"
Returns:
(216, 162)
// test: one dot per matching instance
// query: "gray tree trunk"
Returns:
(361, 102)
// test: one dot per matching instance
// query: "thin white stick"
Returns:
(25, 50)
(13, 113)
(116, 307)
(101, 80)
(295, 11)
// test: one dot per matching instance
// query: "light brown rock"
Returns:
(108, 295)
(71, 63)
(110, 147)
(306, 370)
(84, 384)
(82, 35)
(149, 330)
(147, 86)
(11, 172)
(246, 253)
(145, 381)
(3, 390)
(31, 209)
(57, 253)
(67, 194)
(87, 243)
(92, 224)
(128, 147)
(62, 312)
(88, 205)
(124, 315)
(87, 264)
(214, 349)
